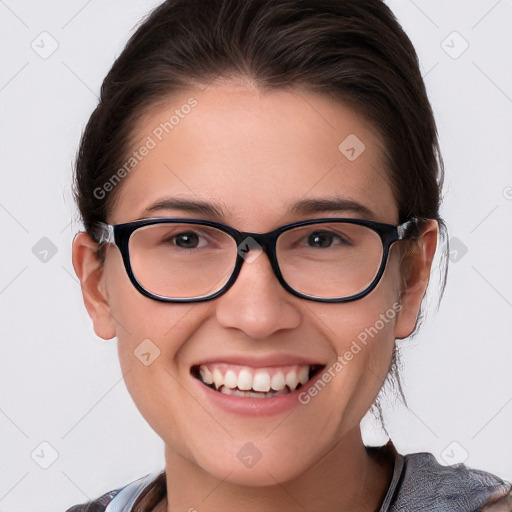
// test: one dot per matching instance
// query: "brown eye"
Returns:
(324, 239)
(186, 240)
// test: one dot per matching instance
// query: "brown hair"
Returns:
(356, 52)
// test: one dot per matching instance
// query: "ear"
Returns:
(417, 265)
(89, 271)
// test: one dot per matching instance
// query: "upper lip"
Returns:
(263, 361)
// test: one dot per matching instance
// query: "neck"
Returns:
(347, 478)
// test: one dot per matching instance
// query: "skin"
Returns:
(253, 154)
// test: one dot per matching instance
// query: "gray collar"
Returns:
(126, 498)
(397, 472)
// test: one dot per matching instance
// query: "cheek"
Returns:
(362, 333)
(152, 340)
(147, 330)
(369, 321)
(135, 316)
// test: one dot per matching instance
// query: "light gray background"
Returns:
(62, 385)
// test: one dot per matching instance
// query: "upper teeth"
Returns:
(247, 378)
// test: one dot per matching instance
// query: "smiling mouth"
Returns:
(249, 382)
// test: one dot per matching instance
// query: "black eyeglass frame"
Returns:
(120, 234)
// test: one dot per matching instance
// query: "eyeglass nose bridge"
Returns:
(264, 242)
(247, 242)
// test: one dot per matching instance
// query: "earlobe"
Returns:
(416, 279)
(90, 272)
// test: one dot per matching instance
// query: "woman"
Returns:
(260, 190)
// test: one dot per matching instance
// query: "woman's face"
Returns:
(254, 156)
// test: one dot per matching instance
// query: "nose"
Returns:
(256, 303)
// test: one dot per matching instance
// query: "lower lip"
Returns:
(247, 406)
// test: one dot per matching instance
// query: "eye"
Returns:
(324, 239)
(186, 240)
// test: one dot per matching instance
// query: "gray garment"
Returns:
(419, 484)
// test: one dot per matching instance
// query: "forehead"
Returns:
(254, 155)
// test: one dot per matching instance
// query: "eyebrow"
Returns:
(330, 205)
(186, 205)
(302, 207)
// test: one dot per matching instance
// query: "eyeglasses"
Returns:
(192, 260)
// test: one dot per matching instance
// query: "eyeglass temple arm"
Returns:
(403, 228)
(103, 233)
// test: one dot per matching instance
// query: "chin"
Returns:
(260, 475)
(243, 464)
